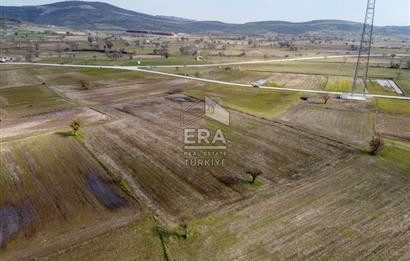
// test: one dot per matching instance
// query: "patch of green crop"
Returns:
(32, 109)
(263, 103)
(393, 106)
(272, 84)
(398, 153)
(79, 137)
(228, 74)
(27, 94)
(342, 84)
(349, 233)
(88, 59)
(123, 185)
(405, 86)
(167, 234)
(375, 88)
(256, 184)
(326, 68)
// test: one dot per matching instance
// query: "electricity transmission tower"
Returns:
(360, 81)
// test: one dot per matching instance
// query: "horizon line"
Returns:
(212, 20)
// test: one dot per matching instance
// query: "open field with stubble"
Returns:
(155, 166)
(16, 76)
(348, 122)
(54, 194)
(357, 212)
(122, 189)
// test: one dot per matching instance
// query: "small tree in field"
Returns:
(186, 231)
(376, 145)
(75, 126)
(84, 84)
(326, 98)
(254, 173)
(185, 228)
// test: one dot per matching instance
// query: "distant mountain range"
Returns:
(101, 16)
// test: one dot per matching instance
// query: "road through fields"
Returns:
(141, 69)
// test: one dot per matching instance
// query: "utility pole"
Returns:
(361, 76)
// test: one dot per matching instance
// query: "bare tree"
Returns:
(187, 50)
(109, 44)
(28, 56)
(59, 50)
(90, 40)
(398, 73)
(392, 65)
(75, 126)
(85, 84)
(376, 145)
(164, 52)
(326, 98)
(138, 43)
(117, 54)
(73, 46)
(186, 231)
(36, 46)
(254, 173)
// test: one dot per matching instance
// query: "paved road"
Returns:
(138, 69)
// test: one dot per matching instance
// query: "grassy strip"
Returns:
(166, 234)
(405, 86)
(393, 106)
(164, 241)
(398, 153)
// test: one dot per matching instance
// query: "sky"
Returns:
(388, 12)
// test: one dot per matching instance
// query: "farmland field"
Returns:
(313, 221)
(262, 103)
(54, 187)
(16, 77)
(130, 149)
(394, 125)
(405, 85)
(169, 146)
(345, 121)
(138, 240)
(172, 187)
(389, 106)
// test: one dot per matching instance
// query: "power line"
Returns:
(360, 82)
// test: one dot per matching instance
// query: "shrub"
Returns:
(84, 84)
(376, 145)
